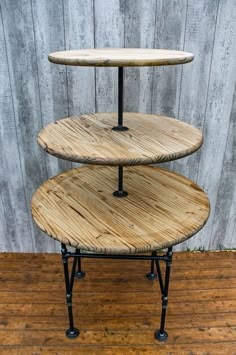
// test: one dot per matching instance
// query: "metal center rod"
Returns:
(120, 97)
(120, 178)
(120, 126)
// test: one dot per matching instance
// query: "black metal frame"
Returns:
(73, 332)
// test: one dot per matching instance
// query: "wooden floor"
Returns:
(116, 308)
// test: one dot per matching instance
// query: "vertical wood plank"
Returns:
(14, 220)
(79, 33)
(199, 39)
(169, 34)
(217, 116)
(109, 32)
(20, 43)
(223, 231)
(4, 241)
(140, 19)
(49, 37)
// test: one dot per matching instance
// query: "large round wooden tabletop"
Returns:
(118, 57)
(78, 208)
(90, 139)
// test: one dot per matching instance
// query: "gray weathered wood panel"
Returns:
(14, 217)
(109, 32)
(34, 92)
(139, 32)
(218, 111)
(48, 19)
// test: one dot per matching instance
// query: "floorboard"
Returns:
(116, 308)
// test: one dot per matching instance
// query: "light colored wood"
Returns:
(25, 98)
(192, 99)
(162, 209)
(119, 57)
(139, 80)
(79, 33)
(199, 38)
(219, 104)
(170, 33)
(49, 34)
(90, 139)
(13, 213)
(109, 14)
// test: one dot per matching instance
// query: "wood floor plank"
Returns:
(180, 336)
(134, 322)
(10, 338)
(54, 265)
(109, 322)
(116, 312)
(226, 348)
(117, 297)
(175, 274)
(22, 257)
(7, 350)
(118, 285)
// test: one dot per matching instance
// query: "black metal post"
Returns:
(120, 126)
(71, 332)
(161, 334)
(159, 276)
(151, 275)
(79, 274)
(120, 192)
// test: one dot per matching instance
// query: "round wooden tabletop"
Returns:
(162, 209)
(120, 57)
(90, 139)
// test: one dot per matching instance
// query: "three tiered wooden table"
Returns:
(151, 209)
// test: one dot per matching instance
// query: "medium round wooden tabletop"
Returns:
(162, 209)
(90, 139)
(119, 57)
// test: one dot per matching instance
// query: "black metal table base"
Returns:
(73, 332)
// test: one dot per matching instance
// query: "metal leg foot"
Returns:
(79, 274)
(151, 275)
(72, 333)
(161, 336)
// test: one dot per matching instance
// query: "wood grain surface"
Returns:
(90, 139)
(118, 57)
(161, 210)
(118, 311)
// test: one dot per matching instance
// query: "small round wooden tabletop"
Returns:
(162, 209)
(90, 139)
(119, 57)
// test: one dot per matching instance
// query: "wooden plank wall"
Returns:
(34, 92)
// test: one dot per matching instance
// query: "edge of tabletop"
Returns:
(187, 57)
(116, 161)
